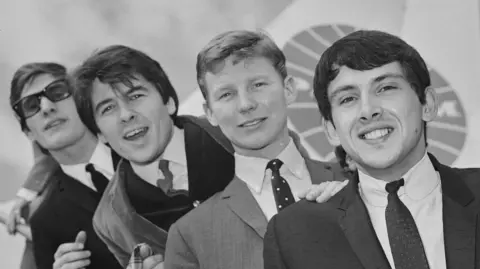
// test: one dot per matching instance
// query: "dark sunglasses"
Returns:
(30, 105)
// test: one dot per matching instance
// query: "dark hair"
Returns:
(241, 44)
(26, 74)
(112, 65)
(366, 50)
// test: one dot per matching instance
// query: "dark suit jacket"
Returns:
(67, 208)
(227, 230)
(210, 166)
(339, 233)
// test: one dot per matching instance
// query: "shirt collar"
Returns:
(174, 152)
(252, 169)
(420, 181)
(101, 159)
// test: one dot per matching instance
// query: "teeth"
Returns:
(377, 133)
(134, 132)
(252, 123)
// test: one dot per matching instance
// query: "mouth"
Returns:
(375, 134)
(54, 123)
(252, 123)
(135, 134)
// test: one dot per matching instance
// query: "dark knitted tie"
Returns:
(405, 242)
(166, 183)
(281, 190)
(99, 180)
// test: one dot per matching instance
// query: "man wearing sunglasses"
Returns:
(41, 98)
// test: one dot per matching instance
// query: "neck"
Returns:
(398, 169)
(80, 152)
(270, 151)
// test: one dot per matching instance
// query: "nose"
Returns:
(246, 103)
(47, 106)
(126, 113)
(370, 110)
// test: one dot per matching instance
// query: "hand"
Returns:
(323, 191)
(72, 255)
(144, 253)
(14, 218)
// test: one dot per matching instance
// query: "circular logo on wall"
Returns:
(446, 135)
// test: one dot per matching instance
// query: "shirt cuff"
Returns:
(27, 194)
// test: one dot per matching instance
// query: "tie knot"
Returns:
(90, 168)
(274, 165)
(163, 165)
(392, 187)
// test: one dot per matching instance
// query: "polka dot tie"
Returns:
(281, 190)
(405, 242)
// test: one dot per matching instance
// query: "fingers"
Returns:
(78, 245)
(74, 264)
(145, 251)
(152, 261)
(14, 217)
(331, 190)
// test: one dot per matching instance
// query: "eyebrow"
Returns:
(387, 75)
(108, 100)
(341, 89)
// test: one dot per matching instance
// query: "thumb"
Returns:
(81, 237)
(145, 251)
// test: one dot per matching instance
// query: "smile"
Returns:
(376, 134)
(54, 123)
(135, 133)
(251, 123)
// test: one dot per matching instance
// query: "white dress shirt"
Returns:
(422, 195)
(101, 160)
(175, 154)
(251, 170)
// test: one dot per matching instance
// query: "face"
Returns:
(57, 124)
(134, 121)
(248, 100)
(377, 116)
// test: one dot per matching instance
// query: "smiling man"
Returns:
(404, 209)
(244, 80)
(41, 96)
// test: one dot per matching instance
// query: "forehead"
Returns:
(347, 76)
(37, 84)
(233, 69)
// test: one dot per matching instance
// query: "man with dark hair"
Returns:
(171, 163)
(40, 95)
(404, 209)
(243, 78)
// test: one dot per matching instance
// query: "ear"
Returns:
(331, 132)
(171, 107)
(430, 108)
(102, 138)
(210, 117)
(290, 90)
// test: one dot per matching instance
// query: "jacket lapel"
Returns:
(355, 223)
(143, 231)
(319, 172)
(77, 193)
(459, 222)
(243, 204)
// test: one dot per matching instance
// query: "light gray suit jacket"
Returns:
(227, 230)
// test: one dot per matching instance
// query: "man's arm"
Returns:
(37, 179)
(178, 254)
(271, 252)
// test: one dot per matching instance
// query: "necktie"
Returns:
(99, 180)
(281, 190)
(405, 242)
(166, 183)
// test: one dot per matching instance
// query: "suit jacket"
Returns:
(339, 233)
(44, 166)
(227, 230)
(210, 166)
(67, 208)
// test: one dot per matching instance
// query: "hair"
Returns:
(25, 75)
(241, 45)
(344, 160)
(113, 65)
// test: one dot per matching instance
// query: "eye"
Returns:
(107, 109)
(387, 88)
(259, 84)
(347, 99)
(135, 96)
(224, 95)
